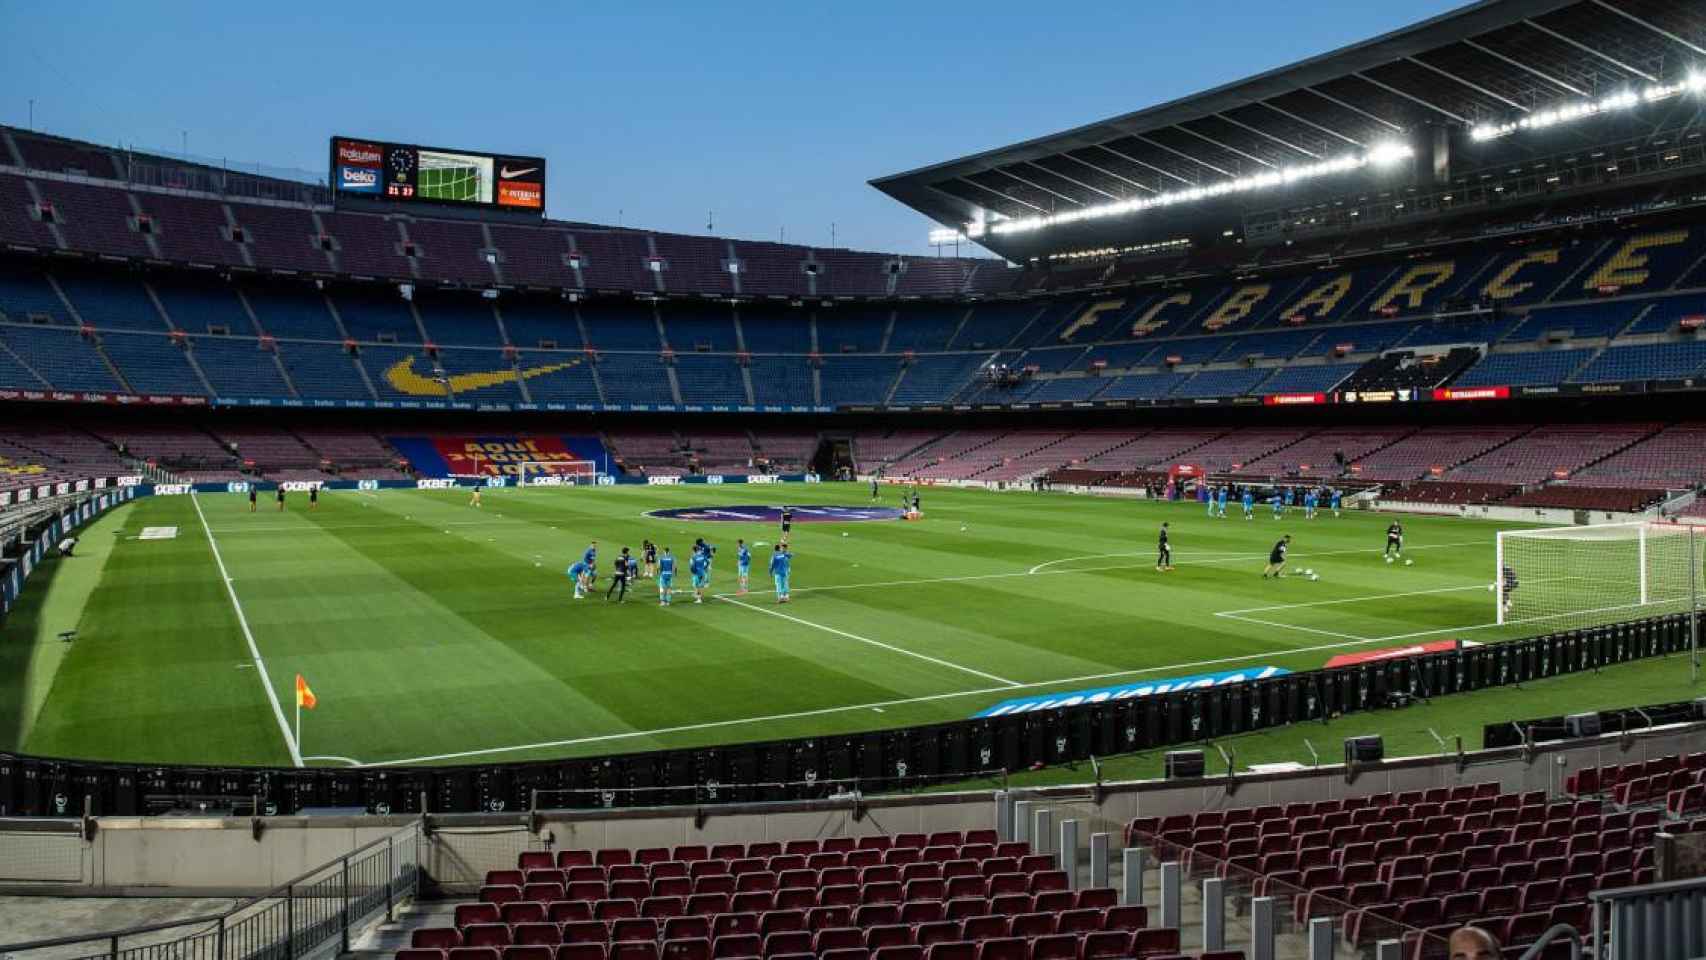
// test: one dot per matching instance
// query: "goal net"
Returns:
(557, 473)
(1568, 577)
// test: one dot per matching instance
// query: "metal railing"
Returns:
(313, 914)
(1654, 921)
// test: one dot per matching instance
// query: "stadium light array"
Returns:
(1381, 155)
(1622, 100)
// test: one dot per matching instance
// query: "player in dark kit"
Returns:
(787, 523)
(1394, 541)
(650, 551)
(1276, 559)
(620, 576)
(314, 498)
(1163, 551)
(251, 498)
(873, 489)
(281, 498)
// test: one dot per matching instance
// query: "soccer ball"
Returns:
(962, 528)
(1408, 562)
(844, 533)
(1388, 559)
(1492, 588)
(1314, 576)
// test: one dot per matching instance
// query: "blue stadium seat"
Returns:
(1523, 369)
(238, 367)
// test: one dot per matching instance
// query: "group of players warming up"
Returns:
(659, 564)
(1277, 556)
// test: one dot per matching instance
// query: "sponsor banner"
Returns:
(171, 489)
(5, 497)
(663, 481)
(301, 486)
(1128, 691)
(1541, 391)
(812, 478)
(359, 153)
(1608, 389)
(237, 486)
(367, 485)
(1293, 399)
(130, 481)
(552, 480)
(1472, 393)
(1405, 395)
(497, 456)
(1667, 386)
(497, 481)
(773, 514)
(434, 484)
(1393, 653)
(714, 478)
(761, 478)
(358, 180)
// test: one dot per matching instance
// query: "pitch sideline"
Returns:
(249, 635)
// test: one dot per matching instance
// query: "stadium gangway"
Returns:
(316, 914)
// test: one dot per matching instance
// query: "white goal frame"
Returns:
(551, 473)
(1643, 530)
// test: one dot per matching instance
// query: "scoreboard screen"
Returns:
(405, 172)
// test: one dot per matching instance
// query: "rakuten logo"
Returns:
(361, 154)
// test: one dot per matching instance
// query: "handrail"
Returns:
(281, 890)
(1538, 948)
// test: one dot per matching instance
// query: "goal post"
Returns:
(1566, 577)
(557, 473)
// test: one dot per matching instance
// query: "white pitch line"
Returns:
(1292, 626)
(329, 527)
(884, 704)
(254, 650)
(1039, 568)
(346, 761)
(1344, 600)
(875, 643)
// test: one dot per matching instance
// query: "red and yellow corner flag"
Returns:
(304, 696)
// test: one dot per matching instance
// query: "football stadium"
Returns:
(1272, 525)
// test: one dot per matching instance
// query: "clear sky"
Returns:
(771, 116)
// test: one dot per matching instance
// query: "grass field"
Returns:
(433, 632)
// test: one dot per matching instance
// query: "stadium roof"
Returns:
(1491, 62)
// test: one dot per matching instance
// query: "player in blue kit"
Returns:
(581, 573)
(1309, 501)
(1278, 505)
(743, 563)
(1337, 498)
(1249, 504)
(1205, 496)
(666, 577)
(780, 561)
(590, 557)
(699, 565)
(1221, 512)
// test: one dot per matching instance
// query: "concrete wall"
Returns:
(227, 856)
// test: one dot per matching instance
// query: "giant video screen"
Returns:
(407, 173)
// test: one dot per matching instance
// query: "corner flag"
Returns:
(304, 697)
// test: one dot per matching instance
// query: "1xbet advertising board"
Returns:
(410, 173)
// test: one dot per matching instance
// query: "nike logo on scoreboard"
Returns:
(507, 173)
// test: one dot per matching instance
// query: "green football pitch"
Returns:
(435, 632)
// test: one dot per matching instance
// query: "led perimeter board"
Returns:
(373, 169)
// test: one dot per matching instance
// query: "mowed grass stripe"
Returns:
(160, 671)
(422, 642)
(617, 665)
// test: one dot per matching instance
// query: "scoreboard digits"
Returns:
(406, 172)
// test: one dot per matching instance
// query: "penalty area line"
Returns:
(883, 704)
(875, 643)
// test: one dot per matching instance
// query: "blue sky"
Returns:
(771, 115)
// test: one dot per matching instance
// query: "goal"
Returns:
(1567, 577)
(557, 473)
